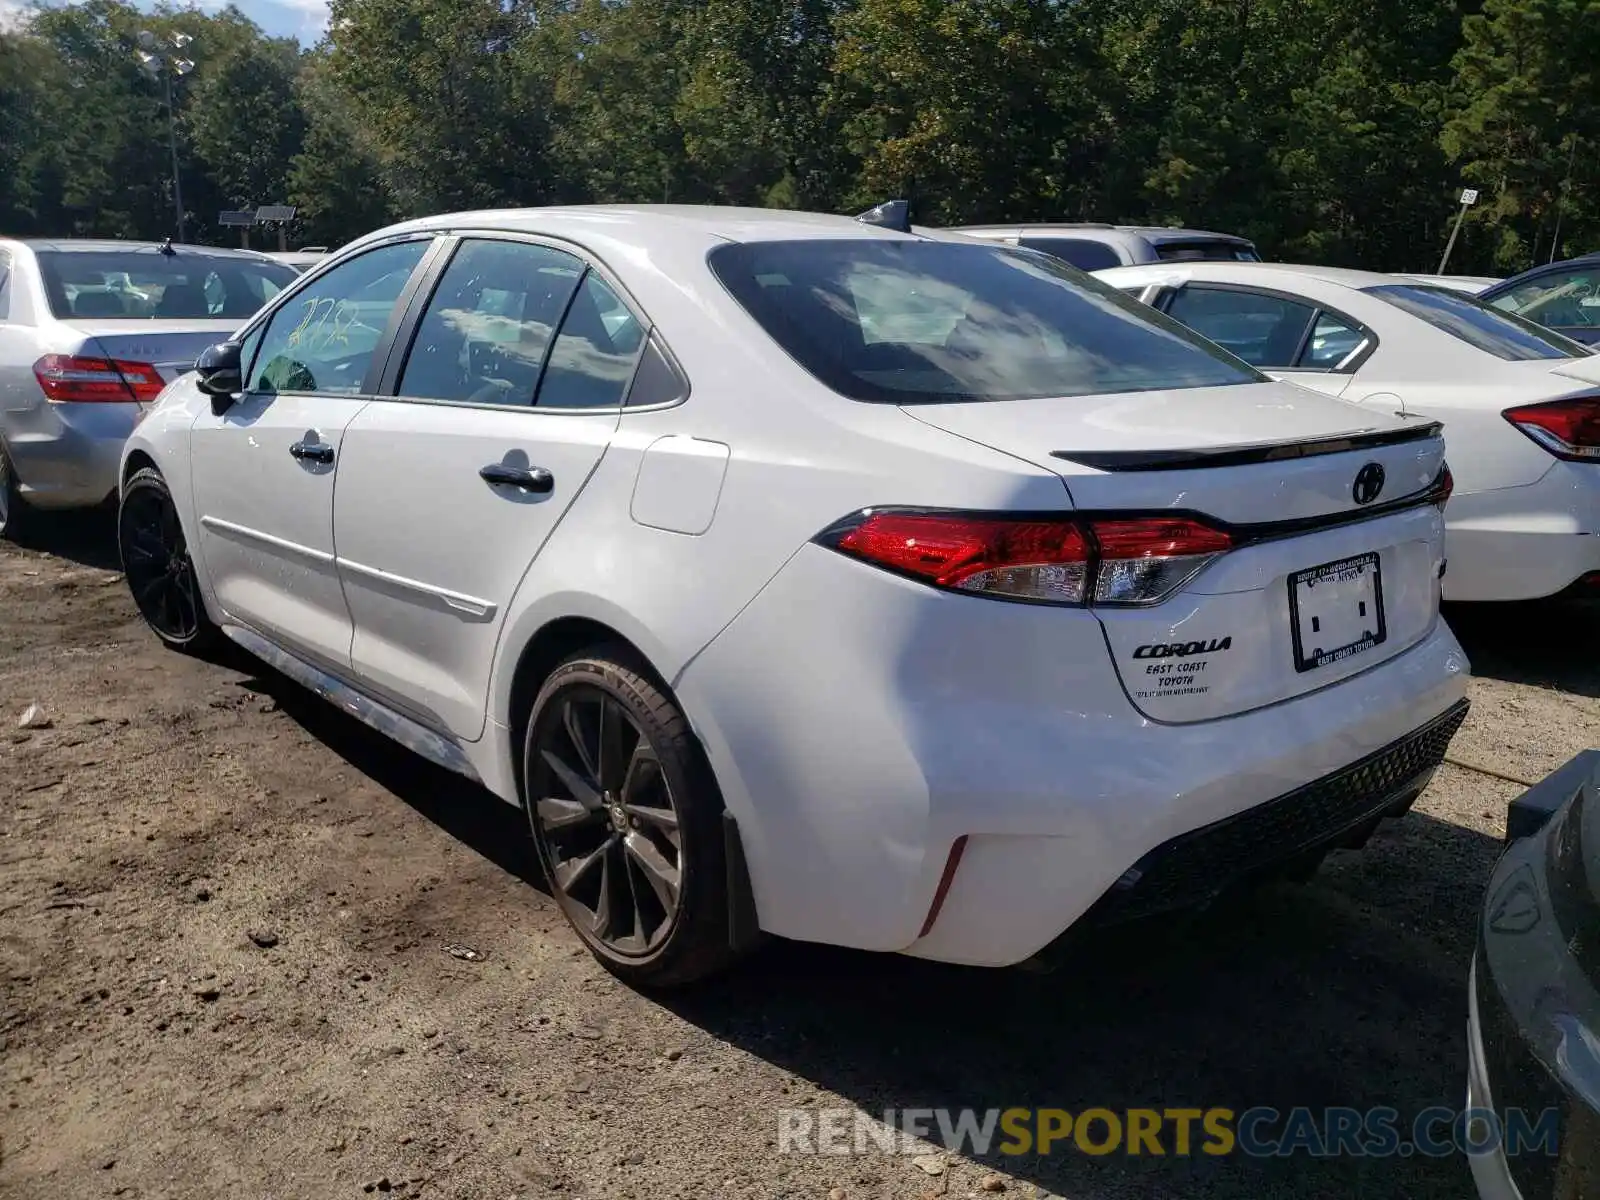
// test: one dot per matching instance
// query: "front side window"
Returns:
(323, 338)
(1502, 334)
(147, 285)
(917, 322)
(1080, 252)
(489, 324)
(1264, 330)
(1567, 299)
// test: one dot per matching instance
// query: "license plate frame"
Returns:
(1368, 567)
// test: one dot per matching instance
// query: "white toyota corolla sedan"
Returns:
(806, 577)
(1520, 403)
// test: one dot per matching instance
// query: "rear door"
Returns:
(500, 410)
(263, 470)
(1290, 337)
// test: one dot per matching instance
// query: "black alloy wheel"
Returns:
(156, 562)
(627, 822)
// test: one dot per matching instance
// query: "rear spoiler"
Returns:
(1236, 456)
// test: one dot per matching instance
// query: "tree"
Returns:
(246, 122)
(440, 89)
(975, 108)
(1525, 112)
(335, 180)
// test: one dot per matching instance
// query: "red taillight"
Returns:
(75, 379)
(1026, 560)
(1139, 560)
(1150, 557)
(1443, 487)
(1569, 428)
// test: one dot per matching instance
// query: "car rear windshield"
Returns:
(1206, 252)
(142, 285)
(1501, 334)
(919, 322)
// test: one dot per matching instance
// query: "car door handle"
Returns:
(529, 479)
(312, 452)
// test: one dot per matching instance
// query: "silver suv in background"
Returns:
(1093, 247)
(90, 332)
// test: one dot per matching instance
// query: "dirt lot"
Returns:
(151, 1048)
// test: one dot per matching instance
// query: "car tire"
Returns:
(157, 566)
(627, 821)
(15, 513)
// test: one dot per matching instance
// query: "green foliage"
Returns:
(1328, 130)
(1525, 114)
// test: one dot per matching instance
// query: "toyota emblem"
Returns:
(1369, 482)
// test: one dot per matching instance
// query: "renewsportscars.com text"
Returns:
(1259, 1132)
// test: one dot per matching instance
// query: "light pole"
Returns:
(165, 66)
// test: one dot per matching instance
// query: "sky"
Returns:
(302, 19)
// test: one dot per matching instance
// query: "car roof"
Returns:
(625, 222)
(1151, 233)
(112, 245)
(1260, 274)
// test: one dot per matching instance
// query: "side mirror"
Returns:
(220, 374)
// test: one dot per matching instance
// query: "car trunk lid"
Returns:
(169, 346)
(1336, 548)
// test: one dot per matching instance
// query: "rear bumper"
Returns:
(67, 455)
(1524, 543)
(859, 725)
(1195, 867)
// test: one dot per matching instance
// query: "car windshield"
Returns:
(141, 285)
(908, 322)
(1501, 334)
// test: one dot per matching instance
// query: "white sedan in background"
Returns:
(804, 576)
(1519, 402)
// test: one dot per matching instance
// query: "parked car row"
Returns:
(820, 578)
(1518, 402)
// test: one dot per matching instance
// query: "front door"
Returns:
(448, 491)
(264, 469)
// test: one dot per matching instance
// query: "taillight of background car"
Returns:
(1568, 428)
(75, 379)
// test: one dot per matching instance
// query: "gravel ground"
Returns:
(227, 917)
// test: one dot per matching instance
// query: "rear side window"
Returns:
(145, 285)
(489, 323)
(1486, 328)
(911, 322)
(5, 286)
(1264, 330)
(1080, 252)
(1334, 340)
(594, 354)
(1206, 251)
